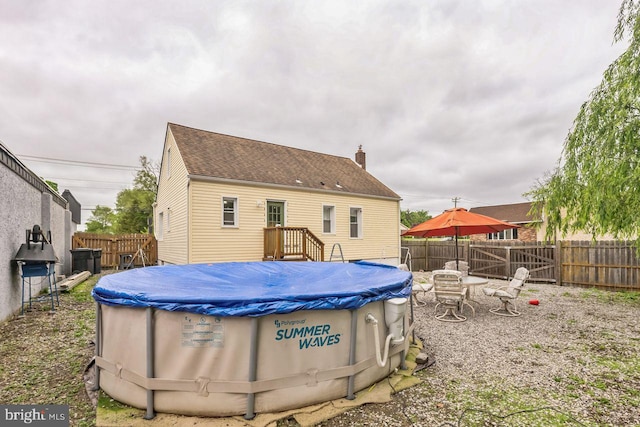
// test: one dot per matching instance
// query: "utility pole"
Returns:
(455, 201)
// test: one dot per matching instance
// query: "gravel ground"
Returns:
(574, 359)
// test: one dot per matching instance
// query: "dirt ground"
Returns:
(43, 355)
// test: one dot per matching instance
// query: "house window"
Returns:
(328, 219)
(159, 225)
(511, 234)
(355, 223)
(229, 212)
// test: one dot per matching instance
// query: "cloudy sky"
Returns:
(449, 98)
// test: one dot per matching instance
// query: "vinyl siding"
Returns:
(173, 196)
(211, 242)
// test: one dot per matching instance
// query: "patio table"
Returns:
(471, 282)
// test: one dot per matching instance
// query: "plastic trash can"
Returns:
(82, 260)
(97, 261)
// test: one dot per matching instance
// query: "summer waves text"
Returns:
(309, 336)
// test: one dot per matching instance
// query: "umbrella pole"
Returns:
(457, 266)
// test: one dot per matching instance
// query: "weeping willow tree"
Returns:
(596, 186)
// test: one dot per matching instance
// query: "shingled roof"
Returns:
(210, 154)
(517, 213)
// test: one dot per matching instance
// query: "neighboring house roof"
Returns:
(517, 213)
(74, 206)
(225, 157)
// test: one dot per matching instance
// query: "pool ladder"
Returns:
(339, 248)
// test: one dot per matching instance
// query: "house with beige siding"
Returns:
(225, 198)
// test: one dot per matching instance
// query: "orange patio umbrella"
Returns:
(458, 222)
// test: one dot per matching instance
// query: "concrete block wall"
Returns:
(22, 205)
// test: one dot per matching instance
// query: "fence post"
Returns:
(426, 254)
(467, 252)
(507, 262)
(558, 262)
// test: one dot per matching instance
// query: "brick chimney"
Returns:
(361, 158)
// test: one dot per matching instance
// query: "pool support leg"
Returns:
(352, 353)
(253, 368)
(150, 357)
(96, 385)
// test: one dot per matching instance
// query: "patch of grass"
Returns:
(82, 292)
(614, 297)
(107, 403)
(576, 379)
(626, 366)
(505, 405)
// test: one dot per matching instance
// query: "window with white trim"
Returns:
(355, 223)
(511, 234)
(229, 211)
(328, 219)
(159, 224)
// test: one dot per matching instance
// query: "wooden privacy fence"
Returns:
(603, 264)
(607, 264)
(115, 245)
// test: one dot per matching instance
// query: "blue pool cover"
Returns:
(254, 288)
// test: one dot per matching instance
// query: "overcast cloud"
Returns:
(449, 98)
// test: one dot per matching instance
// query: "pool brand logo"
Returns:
(307, 336)
(281, 323)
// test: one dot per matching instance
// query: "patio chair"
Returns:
(451, 294)
(419, 290)
(508, 294)
(463, 267)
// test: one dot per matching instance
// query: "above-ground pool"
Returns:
(241, 338)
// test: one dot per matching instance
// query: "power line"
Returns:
(78, 163)
(102, 181)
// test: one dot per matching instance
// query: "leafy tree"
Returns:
(595, 187)
(135, 206)
(409, 218)
(147, 177)
(101, 221)
(53, 185)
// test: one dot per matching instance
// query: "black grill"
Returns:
(36, 258)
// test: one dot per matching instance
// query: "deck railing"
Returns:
(292, 244)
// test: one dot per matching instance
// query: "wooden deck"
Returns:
(292, 244)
